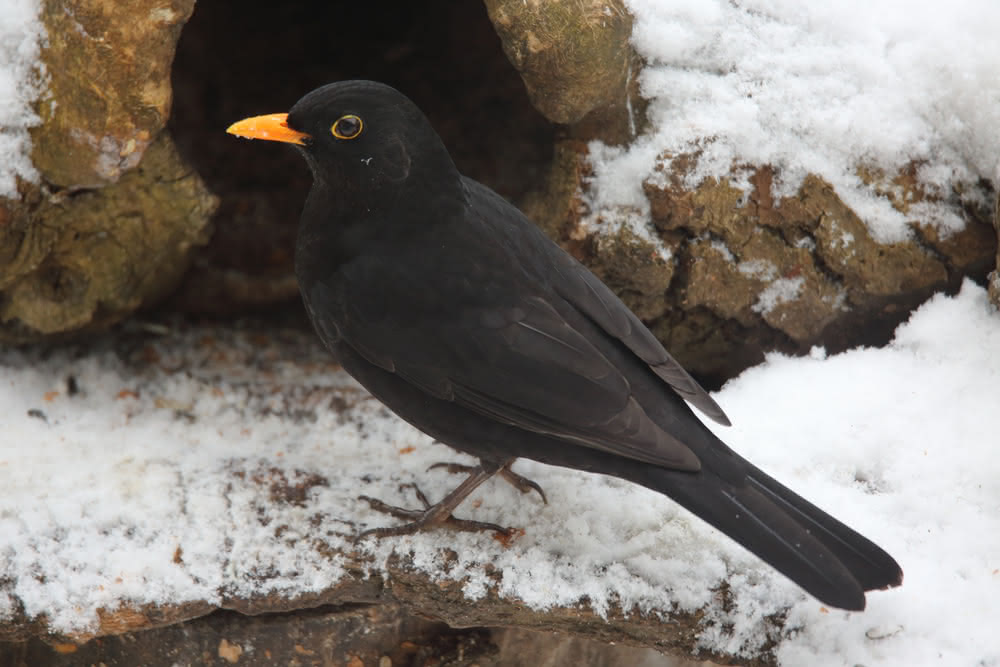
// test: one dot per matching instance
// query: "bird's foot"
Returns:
(522, 484)
(429, 517)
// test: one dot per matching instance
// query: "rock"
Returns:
(89, 259)
(109, 68)
(368, 616)
(770, 280)
(354, 635)
(112, 225)
(635, 269)
(753, 273)
(575, 59)
(554, 204)
(994, 287)
(517, 647)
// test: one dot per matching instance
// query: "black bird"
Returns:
(456, 312)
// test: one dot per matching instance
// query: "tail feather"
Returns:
(829, 560)
(870, 565)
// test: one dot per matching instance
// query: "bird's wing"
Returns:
(596, 301)
(581, 288)
(521, 365)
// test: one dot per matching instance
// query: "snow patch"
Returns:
(154, 481)
(22, 82)
(782, 290)
(816, 87)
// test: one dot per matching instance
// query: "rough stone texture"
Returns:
(636, 271)
(85, 260)
(575, 59)
(518, 648)
(379, 602)
(112, 224)
(417, 592)
(753, 274)
(109, 68)
(554, 205)
(351, 635)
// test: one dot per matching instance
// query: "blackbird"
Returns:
(462, 317)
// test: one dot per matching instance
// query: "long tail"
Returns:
(819, 553)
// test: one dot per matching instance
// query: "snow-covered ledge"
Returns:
(148, 478)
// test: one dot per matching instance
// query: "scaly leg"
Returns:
(522, 484)
(438, 514)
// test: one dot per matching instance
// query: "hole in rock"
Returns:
(240, 59)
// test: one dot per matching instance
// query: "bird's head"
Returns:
(359, 137)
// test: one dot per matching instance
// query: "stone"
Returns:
(635, 269)
(112, 225)
(352, 634)
(87, 260)
(405, 614)
(369, 635)
(575, 60)
(786, 273)
(109, 86)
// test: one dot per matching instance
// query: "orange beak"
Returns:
(272, 127)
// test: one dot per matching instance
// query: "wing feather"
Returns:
(587, 293)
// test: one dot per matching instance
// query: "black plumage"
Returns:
(454, 310)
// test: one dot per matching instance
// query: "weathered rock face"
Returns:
(575, 60)
(112, 225)
(88, 259)
(353, 635)
(805, 268)
(796, 272)
(109, 68)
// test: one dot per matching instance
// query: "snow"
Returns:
(814, 87)
(781, 290)
(21, 84)
(160, 477)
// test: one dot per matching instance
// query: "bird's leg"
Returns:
(522, 484)
(434, 515)
(400, 512)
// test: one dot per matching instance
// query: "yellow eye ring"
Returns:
(347, 127)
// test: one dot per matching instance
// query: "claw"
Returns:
(439, 514)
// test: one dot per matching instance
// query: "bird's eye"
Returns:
(347, 127)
